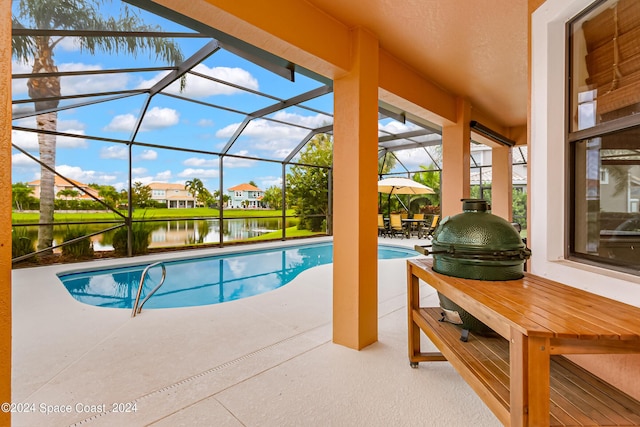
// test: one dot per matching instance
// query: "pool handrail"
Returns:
(137, 309)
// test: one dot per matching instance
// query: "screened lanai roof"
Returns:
(223, 99)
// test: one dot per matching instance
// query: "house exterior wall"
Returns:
(251, 199)
(173, 196)
(548, 162)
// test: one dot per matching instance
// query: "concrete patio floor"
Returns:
(266, 360)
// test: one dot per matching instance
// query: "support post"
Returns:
(355, 162)
(456, 160)
(5, 212)
(501, 182)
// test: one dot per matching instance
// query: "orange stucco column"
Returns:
(355, 160)
(501, 182)
(456, 160)
(5, 209)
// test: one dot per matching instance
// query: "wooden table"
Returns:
(518, 372)
(407, 224)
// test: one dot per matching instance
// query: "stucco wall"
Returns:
(548, 167)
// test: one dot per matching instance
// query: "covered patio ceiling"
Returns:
(296, 101)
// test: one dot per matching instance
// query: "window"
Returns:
(604, 135)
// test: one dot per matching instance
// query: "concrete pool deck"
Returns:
(266, 360)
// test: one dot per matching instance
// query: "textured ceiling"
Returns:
(472, 48)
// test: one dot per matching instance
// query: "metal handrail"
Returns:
(137, 309)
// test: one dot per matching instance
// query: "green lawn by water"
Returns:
(33, 217)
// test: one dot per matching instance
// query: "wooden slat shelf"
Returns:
(578, 398)
(520, 372)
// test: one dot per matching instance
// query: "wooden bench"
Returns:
(519, 372)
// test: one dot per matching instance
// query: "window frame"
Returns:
(572, 139)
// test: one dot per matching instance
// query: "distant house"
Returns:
(172, 195)
(59, 184)
(245, 196)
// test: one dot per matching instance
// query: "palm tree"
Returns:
(195, 187)
(45, 91)
(68, 193)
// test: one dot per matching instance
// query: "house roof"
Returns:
(166, 186)
(244, 187)
(60, 182)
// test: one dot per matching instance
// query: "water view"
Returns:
(177, 232)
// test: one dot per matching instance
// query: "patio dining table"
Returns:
(420, 226)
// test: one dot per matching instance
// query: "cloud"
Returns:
(147, 155)
(138, 171)
(198, 87)
(200, 162)
(199, 173)
(114, 152)
(274, 138)
(90, 83)
(205, 123)
(235, 162)
(156, 118)
(19, 86)
(397, 127)
(72, 85)
(85, 176)
(270, 181)
(312, 122)
(413, 158)
(163, 176)
(70, 44)
(21, 160)
(29, 140)
(146, 180)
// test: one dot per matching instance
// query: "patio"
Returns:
(267, 360)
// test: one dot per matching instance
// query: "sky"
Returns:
(170, 122)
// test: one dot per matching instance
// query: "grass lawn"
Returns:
(291, 232)
(33, 217)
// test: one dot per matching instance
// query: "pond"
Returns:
(177, 232)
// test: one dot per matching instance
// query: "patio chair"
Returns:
(418, 227)
(395, 225)
(428, 232)
(383, 230)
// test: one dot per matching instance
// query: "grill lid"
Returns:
(478, 235)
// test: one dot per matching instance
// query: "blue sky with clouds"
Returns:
(171, 122)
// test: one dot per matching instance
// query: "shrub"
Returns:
(21, 243)
(80, 249)
(140, 238)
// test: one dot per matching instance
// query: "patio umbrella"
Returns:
(402, 186)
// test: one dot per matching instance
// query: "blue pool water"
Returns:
(208, 280)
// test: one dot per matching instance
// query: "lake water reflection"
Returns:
(182, 232)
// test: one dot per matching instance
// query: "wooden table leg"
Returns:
(529, 361)
(413, 303)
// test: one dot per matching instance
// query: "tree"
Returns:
(195, 187)
(68, 193)
(109, 195)
(21, 195)
(430, 178)
(273, 197)
(39, 50)
(252, 182)
(309, 186)
(140, 195)
(204, 197)
(386, 163)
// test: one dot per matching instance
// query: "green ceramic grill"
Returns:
(475, 244)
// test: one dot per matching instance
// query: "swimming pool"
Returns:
(206, 280)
